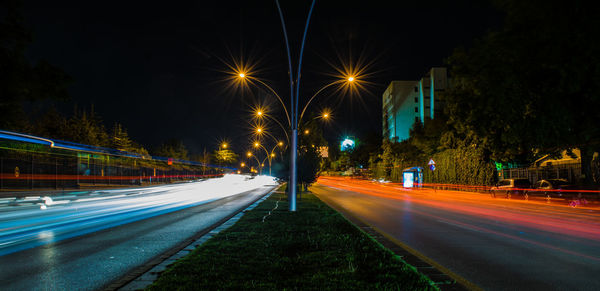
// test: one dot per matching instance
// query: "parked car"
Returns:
(509, 187)
(551, 188)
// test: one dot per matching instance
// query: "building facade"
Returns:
(407, 102)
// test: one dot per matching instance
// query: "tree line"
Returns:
(527, 89)
(27, 88)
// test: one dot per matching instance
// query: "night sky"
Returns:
(159, 68)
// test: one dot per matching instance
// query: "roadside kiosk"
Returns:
(412, 176)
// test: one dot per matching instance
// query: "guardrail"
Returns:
(29, 162)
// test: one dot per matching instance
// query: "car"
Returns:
(551, 188)
(509, 187)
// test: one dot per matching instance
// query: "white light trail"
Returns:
(23, 227)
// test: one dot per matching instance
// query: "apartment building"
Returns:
(407, 102)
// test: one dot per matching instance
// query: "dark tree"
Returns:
(21, 81)
(309, 164)
(531, 87)
(172, 148)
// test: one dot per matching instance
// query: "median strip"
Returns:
(314, 248)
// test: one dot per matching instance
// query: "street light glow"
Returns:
(306, 131)
(280, 143)
(224, 145)
(256, 144)
(249, 154)
(242, 75)
(351, 79)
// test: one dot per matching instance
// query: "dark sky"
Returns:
(159, 68)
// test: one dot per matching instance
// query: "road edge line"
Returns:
(361, 225)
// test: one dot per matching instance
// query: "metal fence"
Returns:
(570, 172)
(32, 166)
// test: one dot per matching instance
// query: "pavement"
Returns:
(481, 242)
(96, 260)
(145, 275)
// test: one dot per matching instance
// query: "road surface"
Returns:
(497, 244)
(88, 243)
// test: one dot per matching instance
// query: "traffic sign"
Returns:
(431, 164)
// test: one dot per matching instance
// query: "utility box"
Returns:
(412, 177)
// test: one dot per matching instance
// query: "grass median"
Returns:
(313, 248)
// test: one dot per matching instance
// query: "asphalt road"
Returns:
(86, 245)
(497, 244)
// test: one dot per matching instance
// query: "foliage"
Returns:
(465, 166)
(365, 150)
(531, 87)
(309, 164)
(119, 139)
(87, 128)
(172, 148)
(21, 81)
(309, 159)
(225, 156)
(312, 249)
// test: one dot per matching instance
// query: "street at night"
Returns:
(299, 145)
(88, 243)
(497, 244)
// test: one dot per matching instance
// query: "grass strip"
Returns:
(313, 248)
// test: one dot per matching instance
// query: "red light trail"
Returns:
(555, 218)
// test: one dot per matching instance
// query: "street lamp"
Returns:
(250, 78)
(260, 113)
(269, 154)
(293, 118)
(249, 154)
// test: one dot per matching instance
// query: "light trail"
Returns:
(559, 219)
(25, 177)
(23, 227)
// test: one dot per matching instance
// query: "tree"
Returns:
(531, 87)
(309, 160)
(172, 148)
(20, 81)
(225, 156)
(51, 124)
(86, 128)
(309, 163)
(119, 139)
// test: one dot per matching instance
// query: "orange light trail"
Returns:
(560, 219)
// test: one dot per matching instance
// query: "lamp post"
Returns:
(295, 121)
(294, 104)
(261, 114)
(249, 154)
(292, 115)
(270, 154)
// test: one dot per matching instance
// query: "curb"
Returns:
(441, 276)
(141, 277)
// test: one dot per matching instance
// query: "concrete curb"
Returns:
(145, 275)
